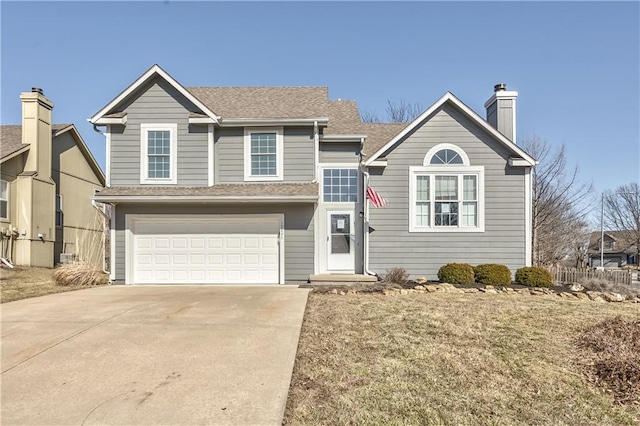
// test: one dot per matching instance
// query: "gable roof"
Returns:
(264, 102)
(151, 73)
(471, 114)
(623, 242)
(11, 144)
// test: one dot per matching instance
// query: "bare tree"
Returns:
(622, 212)
(560, 202)
(403, 111)
(397, 112)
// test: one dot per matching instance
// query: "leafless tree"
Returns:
(397, 112)
(622, 212)
(560, 202)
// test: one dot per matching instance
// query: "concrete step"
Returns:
(341, 278)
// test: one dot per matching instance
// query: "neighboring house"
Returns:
(48, 177)
(267, 184)
(619, 249)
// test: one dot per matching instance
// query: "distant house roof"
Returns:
(11, 138)
(249, 191)
(623, 242)
(11, 144)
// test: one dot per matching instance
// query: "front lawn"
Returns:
(21, 283)
(450, 359)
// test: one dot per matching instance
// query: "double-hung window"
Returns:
(445, 194)
(158, 153)
(4, 199)
(340, 185)
(263, 156)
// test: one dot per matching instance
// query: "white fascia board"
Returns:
(201, 120)
(203, 198)
(450, 97)
(105, 121)
(378, 163)
(506, 94)
(150, 73)
(273, 121)
(520, 162)
(342, 138)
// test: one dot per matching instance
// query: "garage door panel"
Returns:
(208, 251)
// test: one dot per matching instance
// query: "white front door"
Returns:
(340, 241)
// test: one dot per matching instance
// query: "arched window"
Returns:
(445, 153)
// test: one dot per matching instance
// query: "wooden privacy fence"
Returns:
(573, 275)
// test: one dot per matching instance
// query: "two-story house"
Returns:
(267, 185)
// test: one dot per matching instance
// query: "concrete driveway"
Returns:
(161, 355)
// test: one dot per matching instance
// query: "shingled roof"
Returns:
(11, 138)
(258, 190)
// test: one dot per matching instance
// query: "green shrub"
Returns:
(534, 276)
(456, 273)
(492, 274)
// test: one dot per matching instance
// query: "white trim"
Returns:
(458, 171)
(8, 195)
(316, 239)
(235, 122)
(107, 137)
(353, 239)
(202, 198)
(506, 94)
(527, 218)
(279, 154)
(131, 219)
(112, 244)
(449, 97)
(201, 120)
(173, 157)
(378, 163)
(105, 121)
(336, 204)
(210, 154)
(343, 138)
(518, 162)
(440, 147)
(150, 73)
(316, 151)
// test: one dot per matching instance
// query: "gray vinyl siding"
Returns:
(422, 254)
(298, 233)
(297, 160)
(500, 116)
(337, 152)
(159, 102)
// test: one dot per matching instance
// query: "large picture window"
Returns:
(445, 194)
(158, 153)
(263, 158)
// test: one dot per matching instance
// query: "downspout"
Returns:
(316, 151)
(365, 216)
(106, 216)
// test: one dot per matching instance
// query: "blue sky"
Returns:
(576, 65)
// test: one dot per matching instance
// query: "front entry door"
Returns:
(340, 241)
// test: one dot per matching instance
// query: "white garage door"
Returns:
(212, 250)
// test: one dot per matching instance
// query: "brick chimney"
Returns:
(36, 131)
(501, 111)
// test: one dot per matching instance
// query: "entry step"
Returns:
(342, 278)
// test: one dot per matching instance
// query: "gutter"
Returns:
(203, 198)
(316, 151)
(365, 221)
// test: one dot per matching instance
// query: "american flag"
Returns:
(376, 199)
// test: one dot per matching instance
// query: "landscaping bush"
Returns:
(456, 273)
(396, 275)
(492, 274)
(534, 276)
(79, 274)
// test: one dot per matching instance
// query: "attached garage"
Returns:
(204, 249)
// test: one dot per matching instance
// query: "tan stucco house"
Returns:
(48, 177)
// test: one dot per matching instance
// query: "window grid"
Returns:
(263, 154)
(449, 204)
(340, 185)
(159, 154)
(446, 156)
(4, 199)
(470, 201)
(423, 206)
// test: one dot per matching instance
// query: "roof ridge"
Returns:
(257, 87)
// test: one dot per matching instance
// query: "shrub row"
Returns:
(494, 274)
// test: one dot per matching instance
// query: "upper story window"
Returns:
(158, 153)
(263, 154)
(446, 193)
(340, 185)
(58, 211)
(4, 199)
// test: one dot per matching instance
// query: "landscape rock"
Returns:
(489, 287)
(351, 292)
(404, 292)
(488, 290)
(431, 288)
(470, 290)
(333, 291)
(418, 287)
(613, 297)
(596, 296)
(581, 296)
(576, 287)
(421, 280)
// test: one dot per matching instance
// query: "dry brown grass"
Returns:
(449, 359)
(79, 274)
(614, 357)
(22, 283)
